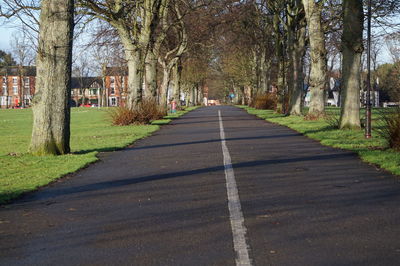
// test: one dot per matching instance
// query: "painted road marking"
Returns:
(235, 209)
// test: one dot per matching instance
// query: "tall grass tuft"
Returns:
(389, 128)
(145, 112)
(266, 101)
(314, 116)
(121, 116)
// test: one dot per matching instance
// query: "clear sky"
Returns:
(6, 33)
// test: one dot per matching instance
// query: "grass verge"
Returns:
(370, 150)
(91, 133)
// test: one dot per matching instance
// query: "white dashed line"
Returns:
(235, 209)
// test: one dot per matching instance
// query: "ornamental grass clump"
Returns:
(389, 127)
(148, 110)
(121, 116)
(143, 113)
(265, 101)
(316, 116)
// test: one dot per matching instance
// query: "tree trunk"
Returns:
(51, 110)
(281, 62)
(151, 75)
(291, 79)
(318, 76)
(264, 71)
(193, 95)
(299, 49)
(256, 69)
(135, 63)
(163, 101)
(176, 79)
(135, 77)
(352, 48)
(200, 94)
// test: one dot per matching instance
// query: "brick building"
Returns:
(17, 86)
(116, 85)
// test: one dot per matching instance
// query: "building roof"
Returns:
(14, 71)
(84, 82)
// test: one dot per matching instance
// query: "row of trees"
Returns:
(284, 42)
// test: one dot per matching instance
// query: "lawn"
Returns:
(370, 150)
(91, 132)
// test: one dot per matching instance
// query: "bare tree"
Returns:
(135, 22)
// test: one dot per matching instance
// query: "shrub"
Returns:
(315, 116)
(143, 113)
(121, 116)
(147, 111)
(265, 101)
(390, 127)
(333, 120)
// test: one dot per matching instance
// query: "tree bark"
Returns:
(352, 48)
(193, 97)
(176, 80)
(265, 72)
(298, 75)
(163, 101)
(279, 50)
(318, 76)
(291, 32)
(151, 75)
(299, 49)
(51, 110)
(133, 56)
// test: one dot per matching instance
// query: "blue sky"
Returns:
(6, 33)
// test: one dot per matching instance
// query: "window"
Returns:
(4, 89)
(4, 80)
(112, 90)
(113, 101)
(112, 80)
(15, 80)
(27, 100)
(26, 82)
(15, 90)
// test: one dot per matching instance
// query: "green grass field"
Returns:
(91, 132)
(370, 150)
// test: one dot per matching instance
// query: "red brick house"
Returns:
(17, 86)
(116, 85)
(109, 91)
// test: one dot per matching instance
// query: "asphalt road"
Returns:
(164, 201)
